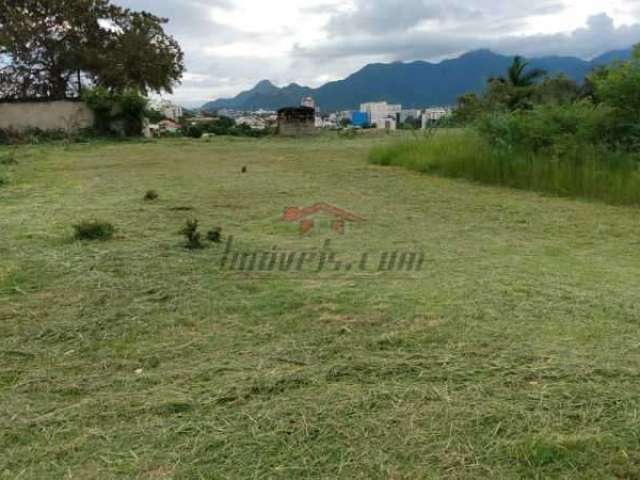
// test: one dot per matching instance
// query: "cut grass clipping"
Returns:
(93, 230)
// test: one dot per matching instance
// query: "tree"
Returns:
(559, 90)
(515, 90)
(517, 77)
(139, 54)
(619, 87)
(48, 48)
(470, 107)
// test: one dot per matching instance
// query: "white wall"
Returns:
(57, 115)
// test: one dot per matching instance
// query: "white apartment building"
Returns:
(170, 110)
(432, 115)
(380, 112)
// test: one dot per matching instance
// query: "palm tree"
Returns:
(517, 77)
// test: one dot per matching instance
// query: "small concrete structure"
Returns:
(380, 112)
(297, 121)
(59, 115)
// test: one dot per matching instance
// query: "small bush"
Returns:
(215, 235)
(3, 180)
(94, 230)
(191, 234)
(193, 131)
(151, 195)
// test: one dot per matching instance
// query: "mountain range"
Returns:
(414, 85)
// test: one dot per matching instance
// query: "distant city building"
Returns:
(379, 112)
(253, 121)
(360, 119)
(432, 115)
(170, 110)
(410, 113)
(390, 123)
(308, 102)
(168, 126)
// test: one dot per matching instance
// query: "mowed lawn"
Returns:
(514, 353)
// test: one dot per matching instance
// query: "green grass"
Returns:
(514, 354)
(584, 171)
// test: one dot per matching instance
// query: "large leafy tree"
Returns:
(49, 48)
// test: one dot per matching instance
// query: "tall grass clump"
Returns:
(451, 153)
(579, 170)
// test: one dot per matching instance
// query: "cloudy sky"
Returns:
(230, 45)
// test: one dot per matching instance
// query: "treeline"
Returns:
(225, 126)
(542, 133)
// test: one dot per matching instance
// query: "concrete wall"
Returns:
(297, 129)
(57, 115)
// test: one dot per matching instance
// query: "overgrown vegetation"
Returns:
(117, 112)
(93, 230)
(551, 135)
(192, 235)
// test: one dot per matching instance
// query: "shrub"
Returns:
(193, 131)
(546, 126)
(4, 180)
(151, 195)
(191, 234)
(94, 230)
(127, 106)
(215, 235)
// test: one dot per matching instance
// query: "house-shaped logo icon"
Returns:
(305, 217)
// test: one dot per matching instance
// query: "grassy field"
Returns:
(514, 353)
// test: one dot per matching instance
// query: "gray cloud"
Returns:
(384, 16)
(187, 17)
(600, 35)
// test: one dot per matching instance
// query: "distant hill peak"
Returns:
(264, 86)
